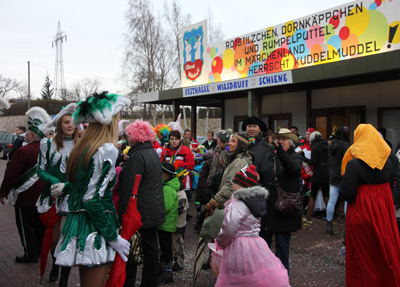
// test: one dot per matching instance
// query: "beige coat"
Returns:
(226, 187)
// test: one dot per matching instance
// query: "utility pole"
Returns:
(59, 85)
(29, 85)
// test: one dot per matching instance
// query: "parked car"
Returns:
(6, 141)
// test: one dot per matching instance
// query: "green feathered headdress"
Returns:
(99, 108)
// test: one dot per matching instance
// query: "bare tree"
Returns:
(148, 60)
(177, 21)
(7, 85)
(23, 91)
(84, 88)
(214, 31)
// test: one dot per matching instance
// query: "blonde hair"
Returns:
(93, 138)
(59, 137)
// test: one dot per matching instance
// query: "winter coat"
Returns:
(319, 160)
(242, 216)
(184, 156)
(226, 187)
(336, 149)
(262, 151)
(170, 188)
(16, 145)
(288, 170)
(24, 159)
(218, 162)
(143, 160)
(358, 173)
(210, 146)
(201, 194)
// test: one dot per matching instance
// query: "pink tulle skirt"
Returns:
(248, 261)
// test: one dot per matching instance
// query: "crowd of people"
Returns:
(72, 190)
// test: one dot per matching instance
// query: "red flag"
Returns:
(49, 219)
(130, 224)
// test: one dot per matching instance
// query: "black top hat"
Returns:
(255, 121)
(168, 167)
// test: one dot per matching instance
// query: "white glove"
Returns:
(159, 151)
(57, 189)
(122, 246)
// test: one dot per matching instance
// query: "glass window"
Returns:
(390, 120)
(281, 123)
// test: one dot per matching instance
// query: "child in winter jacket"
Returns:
(170, 188)
(239, 238)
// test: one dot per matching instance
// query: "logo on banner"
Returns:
(193, 50)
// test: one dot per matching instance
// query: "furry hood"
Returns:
(255, 199)
(256, 191)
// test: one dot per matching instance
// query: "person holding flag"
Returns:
(89, 238)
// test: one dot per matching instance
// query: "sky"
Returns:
(95, 33)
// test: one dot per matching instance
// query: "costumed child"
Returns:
(89, 237)
(171, 186)
(52, 164)
(178, 236)
(239, 238)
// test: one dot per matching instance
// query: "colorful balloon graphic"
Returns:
(297, 45)
(344, 33)
(314, 36)
(217, 65)
(358, 21)
(228, 56)
(245, 56)
(329, 31)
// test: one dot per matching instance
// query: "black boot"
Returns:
(64, 276)
(329, 227)
(54, 270)
(166, 277)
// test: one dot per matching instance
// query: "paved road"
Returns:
(314, 258)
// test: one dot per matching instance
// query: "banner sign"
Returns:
(192, 58)
(240, 84)
(352, 30)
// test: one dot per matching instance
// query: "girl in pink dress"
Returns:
(247, 259)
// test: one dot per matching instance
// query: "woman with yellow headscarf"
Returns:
(372, 236)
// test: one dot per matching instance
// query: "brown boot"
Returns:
(310, 208)
(326, 200)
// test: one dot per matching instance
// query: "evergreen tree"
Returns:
(47, 92)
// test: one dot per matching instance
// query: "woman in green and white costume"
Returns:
(89, 237)
(52, 164)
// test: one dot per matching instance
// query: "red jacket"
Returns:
(185, 157)
(23, 160)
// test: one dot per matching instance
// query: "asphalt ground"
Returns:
(314, 256)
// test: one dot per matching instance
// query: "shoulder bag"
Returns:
(288, 204)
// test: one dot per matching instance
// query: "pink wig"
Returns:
(140, 131)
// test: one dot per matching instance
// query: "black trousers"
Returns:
(165, 240)
(31, 230)
(319, 182)
(151, 267)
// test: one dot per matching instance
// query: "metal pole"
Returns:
(29, 85)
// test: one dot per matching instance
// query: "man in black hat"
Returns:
(262, 151)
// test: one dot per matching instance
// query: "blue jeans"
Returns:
(282, 240)
(333, 197)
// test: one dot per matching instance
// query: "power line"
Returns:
(67, 72)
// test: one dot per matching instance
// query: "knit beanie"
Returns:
(247, 176)
(224, 135)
